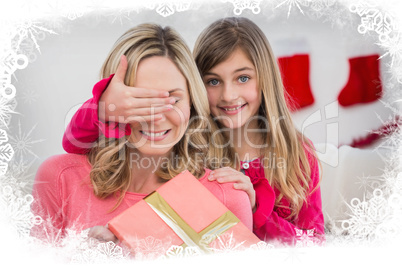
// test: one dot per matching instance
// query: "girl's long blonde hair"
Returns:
(202, 144)
(214, 45)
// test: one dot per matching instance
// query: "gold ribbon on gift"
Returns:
(189, 236)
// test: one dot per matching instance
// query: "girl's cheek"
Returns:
(212, 95)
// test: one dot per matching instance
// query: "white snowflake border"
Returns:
(372, 19)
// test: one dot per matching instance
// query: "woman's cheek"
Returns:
(180, 115)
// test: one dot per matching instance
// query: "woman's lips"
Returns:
(154, 135)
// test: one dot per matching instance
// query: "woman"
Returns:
(276, 165)
(86, 191)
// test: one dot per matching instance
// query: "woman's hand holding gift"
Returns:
(102, 233)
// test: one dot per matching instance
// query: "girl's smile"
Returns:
(234, 109)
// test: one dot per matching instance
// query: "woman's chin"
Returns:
(154, 152)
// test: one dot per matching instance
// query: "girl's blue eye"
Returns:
(213, 82)
(243, 79)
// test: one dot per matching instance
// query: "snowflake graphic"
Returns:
(293, 254)
(31, 30)
(6, 152)
(328, 11)
(7, 107)
(226, 243)
(296, 3)
(261, 246)
(367, 183)
(71, 10)
(366, 216)
(3, 136)
(240, 5)
(319, 5)
(393, 182)
(18, 174)
(120, 15)
(79, 248)
(166, 9)
(393, 47)
(3, 168)
(9, 63)
(305, 238)
(372, 19)
(180, 252)
(183, 6)
(6, 157)
(27, 47)
(16, 209)
(22, 142)
(87, 256)
(149, 248)
(29, 96)
(110, 250)
(107, 252)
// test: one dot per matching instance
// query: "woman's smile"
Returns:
(155, 135)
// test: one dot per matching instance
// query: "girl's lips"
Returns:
(155, 136)
(231, 110)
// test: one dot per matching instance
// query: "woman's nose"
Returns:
(160, 120)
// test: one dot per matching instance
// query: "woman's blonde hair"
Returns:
(214, 45)
(198, 148)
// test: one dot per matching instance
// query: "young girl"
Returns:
(78, 192)
(277, 166)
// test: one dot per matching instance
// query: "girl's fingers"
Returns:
(249, 190)
(152, 102)
(137, 92)
(242, 186)
(224, 172)
(121, 69)
(150, 110)
(143, 119)
(224, 179)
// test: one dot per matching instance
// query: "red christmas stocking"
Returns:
(364, 84)
(295, 75)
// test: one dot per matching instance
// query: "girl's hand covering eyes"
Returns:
(124, 104)
(241, 181)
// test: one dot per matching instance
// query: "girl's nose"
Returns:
(229, 93)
